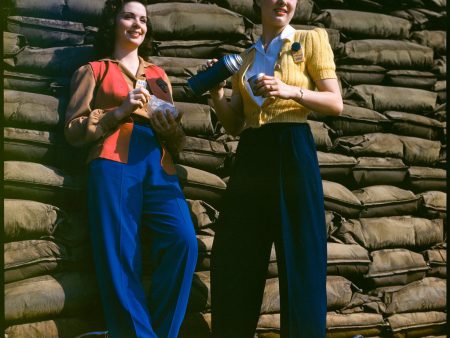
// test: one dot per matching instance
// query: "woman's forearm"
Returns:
(324, 102)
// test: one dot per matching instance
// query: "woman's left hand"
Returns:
(169, 130)
(271, 86)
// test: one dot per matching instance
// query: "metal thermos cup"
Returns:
(252, 81)
(220, 71)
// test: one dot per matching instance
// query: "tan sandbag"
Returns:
(12, 44)
(46, 184)
(415, 125)
(341, 200)
(424, 179)
(391, 54)
(363, 303)
(203, 215)
(335, 167)
(34, 83)
(437, 261)
(26, 259)
(395, 267)
(386, 200)
(382, 98)
(57, 61)
(205, 244)
(68, 327)
(440, 67)
(201, 185)
(204, 154)
(203, 49)
(334, 37)
(418, 151)
(339, 292)
(410, 79)
(61, 294)
(373, 144)
(417, 324)
(433, 204)
(379, 170)
(44, 33)
(357, 121)
(360, 74)
(348, 260)
(428, 294)
(30, 110)
(181, 91)
(391, 232)
(434, 39)
(175, 66)
(321, 134)
(358, 24)
(195, 21)
(349, 325)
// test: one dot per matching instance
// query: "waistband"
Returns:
(140, 120)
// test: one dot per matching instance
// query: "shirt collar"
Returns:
(287, 34)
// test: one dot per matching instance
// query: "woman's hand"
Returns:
(218, 89)
(168, 129)
(137, 98)
(271, 86)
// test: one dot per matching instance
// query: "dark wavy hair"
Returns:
(105, 38)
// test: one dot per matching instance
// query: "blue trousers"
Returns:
(122, 199)
(274, 196)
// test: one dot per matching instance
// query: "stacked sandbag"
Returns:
(382, 161)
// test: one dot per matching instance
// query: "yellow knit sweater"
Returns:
(318, 63)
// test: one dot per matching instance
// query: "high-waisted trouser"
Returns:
(122, 199)
(274, 196)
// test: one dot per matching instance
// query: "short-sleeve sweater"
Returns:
(317, 63)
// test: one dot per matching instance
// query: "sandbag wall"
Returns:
(381, 162)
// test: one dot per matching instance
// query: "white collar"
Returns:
(287, 34)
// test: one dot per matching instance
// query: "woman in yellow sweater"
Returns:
(275, 190)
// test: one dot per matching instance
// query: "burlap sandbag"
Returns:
(205, 244)
(321, 134)
(85, 11)
(391, 54)
(35, 83)
(175, 66)
(418, 151)
(433, 204)
(437, 260)
(349, 325)
(424, 179)
(200, 293)
(182, 93)
(203, 215)
(334, 36)
(417, 324)
(48, 296)
(26, 259)
(428, 294)
(440, 67)
(357, 121)
(358, 24)
(196, 325)
(434, 39)
(335, 167)
(360, 74)
(379, 170)
(204, 154)
(12, 44)
(201, 185)
(341, 200)
(41, 147)
(415, 125)
(410, 78)
(196, 21)
(30, 110)
(205, 49)
(373, 144)
(347, 260)
(57, 61)
(363, 303)
(58, 327)
(395, 267)
(382, 98)
(52, 9)
(392, 232)
(46, 184)
(24, 219)
(386, 200)
(47, 32)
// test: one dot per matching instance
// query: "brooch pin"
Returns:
(163, 85)
(297, 52)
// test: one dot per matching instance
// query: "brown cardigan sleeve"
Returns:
(84, 124)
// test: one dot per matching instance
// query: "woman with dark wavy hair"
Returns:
(132, 182)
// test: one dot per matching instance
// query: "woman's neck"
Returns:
(129, 59)
(270, 33)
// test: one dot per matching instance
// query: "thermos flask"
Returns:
(220, 71)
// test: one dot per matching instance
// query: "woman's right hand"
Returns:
(218, 89)
(136, 98)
